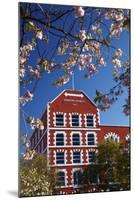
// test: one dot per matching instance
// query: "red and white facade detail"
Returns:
(71, 135)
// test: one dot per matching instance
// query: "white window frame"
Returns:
(54, 119)
(59, 132)
(115, 136)
(65, 156)
(63, 139)
(80, 119)
(65, 173)
(72, 133)
(94, 120)
(95, 138)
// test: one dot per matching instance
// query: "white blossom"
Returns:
(39, 35)
(79, 11)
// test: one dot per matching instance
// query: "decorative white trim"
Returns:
(65, 156)
(48, 124)
(98, 115)
(74, 128)
(70, 119)
(64, 119)
(80, 91)
(65, 165)
(95, 138)
(73, 147)
(48, 115)
(73, 95)
(112, 134)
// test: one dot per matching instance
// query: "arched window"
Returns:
(77, 177)
(60, 178)
(76, 139)
(91, 139)
(59, 139)
(112, 137)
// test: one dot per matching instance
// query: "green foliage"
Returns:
(111, 167)
(35, 178)
(98, 97)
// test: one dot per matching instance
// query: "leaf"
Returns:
(28, 27)
(126, 23)
(81, 20)
(86, 75)
(98, 97)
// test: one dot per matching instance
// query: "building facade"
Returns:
(71, 135)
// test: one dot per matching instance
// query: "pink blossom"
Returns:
(91, 68)
(102, 62)
(118, 52)
(82, 35)
(116, 62)
(116, 30)
(22, 73)
(28, 95)
(39, 35)
(79, 11)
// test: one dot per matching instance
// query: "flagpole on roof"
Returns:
(73, 81)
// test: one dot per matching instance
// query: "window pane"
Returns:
(76, 157)
(75, 120)
(91, 139)
(91, 156)
(59, 120)
(77, 177)
(76, 139)
(60, 139)
(60, 179)
(60, 158)
(90, 121)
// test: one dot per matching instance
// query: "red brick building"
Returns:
(72, 132)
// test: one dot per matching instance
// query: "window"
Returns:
(91, 139)
(76, 139)
(112, 137)
(91, 157)
(60, 179)
(75, 120)
(90, 121)
(77, 177)
(76, 157)
(60, 139)
(59, 120)
(59, 157)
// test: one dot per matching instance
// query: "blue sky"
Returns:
(101, 81)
